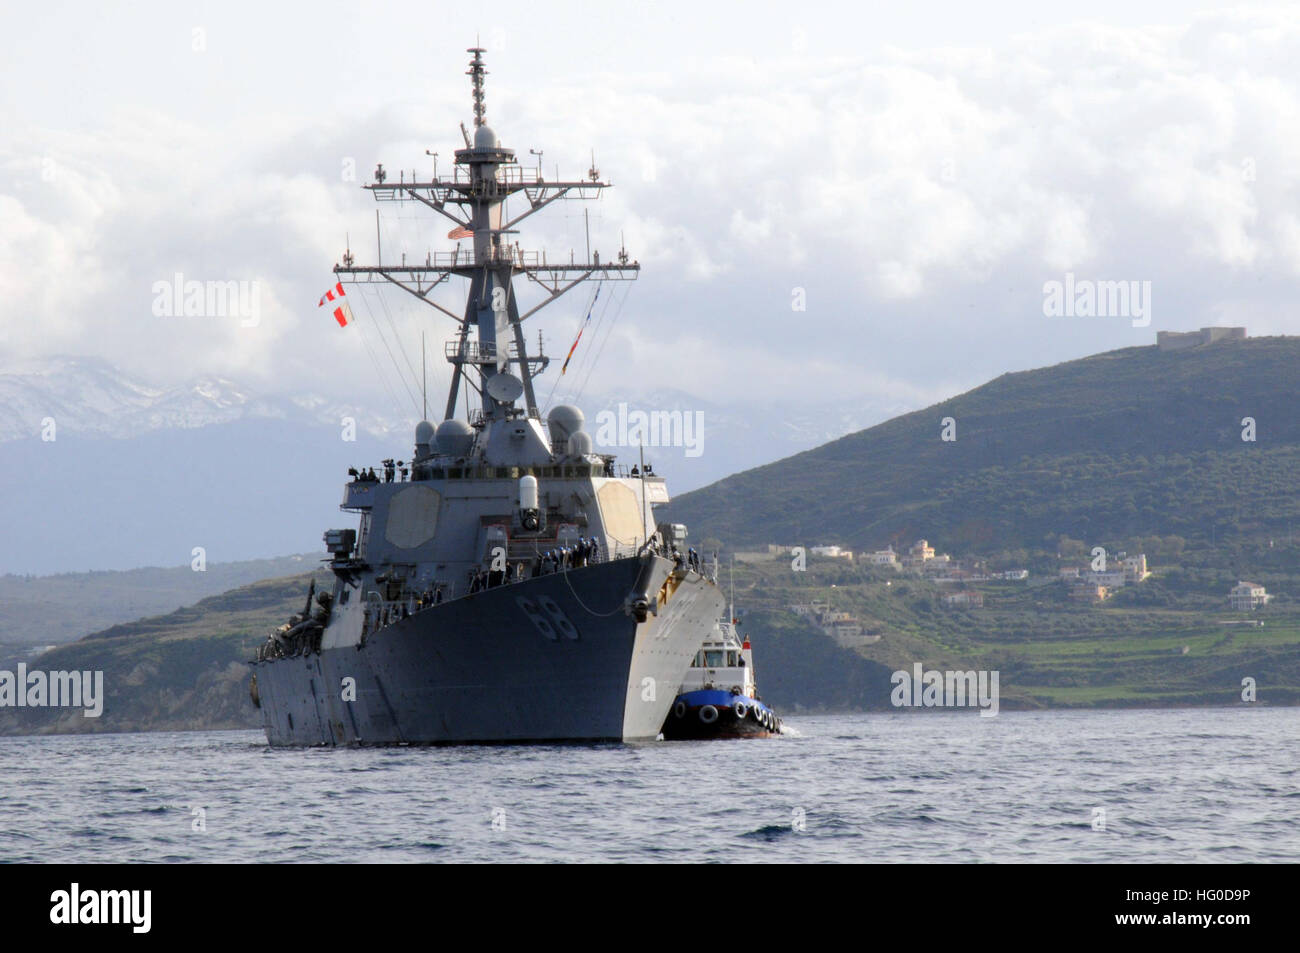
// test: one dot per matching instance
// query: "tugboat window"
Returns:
(713, 659)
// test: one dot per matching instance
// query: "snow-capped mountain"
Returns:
(91, 398)
(142, 475)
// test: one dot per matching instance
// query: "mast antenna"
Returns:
(474, 199)
(732, 574)
(476, 72)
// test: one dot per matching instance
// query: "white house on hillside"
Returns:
(1248, 596)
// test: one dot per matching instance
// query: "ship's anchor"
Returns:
(638, 604)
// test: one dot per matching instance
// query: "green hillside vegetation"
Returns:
(1135, 450)
(1131, 443)
(47, 610)
(182, 671)
(1147, 646)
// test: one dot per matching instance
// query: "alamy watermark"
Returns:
(208, 299)
(655, 428)
(935, 689)
(127, 907)
(1086, 298)
(25, 689)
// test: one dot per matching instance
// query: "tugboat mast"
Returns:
(486, 174)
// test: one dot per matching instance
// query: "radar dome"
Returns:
(485, 138)
(563, 422)
(455, 437)
(580, 444)
(424, 436)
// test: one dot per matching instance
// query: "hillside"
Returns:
(45, 610)
(1136, 450)
(183, 670)
(1126, 444)
(1169, 641)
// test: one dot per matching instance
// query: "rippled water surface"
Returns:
(1209, 785)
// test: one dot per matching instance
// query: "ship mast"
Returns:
(485, 175)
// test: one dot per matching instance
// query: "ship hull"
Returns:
(550, 659)
(707, 713)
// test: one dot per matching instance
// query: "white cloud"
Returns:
(917, 194)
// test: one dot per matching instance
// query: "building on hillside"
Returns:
(939, 563)
(1182, 340)
(1069, 572)
(1111, 578)
(1088, 592)
(1015, 575)
(1135, 569)
(1248, 596)
(832, 552)
(884, 557)
(964, 600)
(839, 625)
(920, 553)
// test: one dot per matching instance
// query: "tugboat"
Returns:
(718, 697)
(507, 583)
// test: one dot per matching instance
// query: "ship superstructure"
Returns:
(508, 584)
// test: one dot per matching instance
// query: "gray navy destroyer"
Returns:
(506, 584)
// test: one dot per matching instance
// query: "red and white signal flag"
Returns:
(343, 312)
(462, 232)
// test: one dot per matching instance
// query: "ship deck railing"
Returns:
(515, 255)
(508, 173)
(380, 612)
(483, 472)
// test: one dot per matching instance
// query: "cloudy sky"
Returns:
(914, 172)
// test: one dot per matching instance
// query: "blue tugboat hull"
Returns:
(710, 713)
